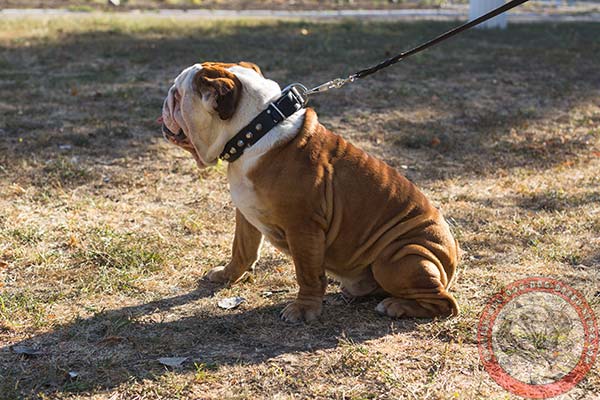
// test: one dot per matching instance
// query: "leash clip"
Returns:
(332, 84)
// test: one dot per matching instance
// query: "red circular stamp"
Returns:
(537, 338)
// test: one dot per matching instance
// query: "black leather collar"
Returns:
(292, 99)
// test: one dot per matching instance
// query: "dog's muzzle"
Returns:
(175, 137)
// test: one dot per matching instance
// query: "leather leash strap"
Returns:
(390, 61)
(339, 82)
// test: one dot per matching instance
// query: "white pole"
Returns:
(479, 7)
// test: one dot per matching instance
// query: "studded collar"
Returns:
(291, 100)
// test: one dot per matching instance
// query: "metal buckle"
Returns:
(299, 91)
(278, 112)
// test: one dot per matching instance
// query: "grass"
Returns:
(106, 230)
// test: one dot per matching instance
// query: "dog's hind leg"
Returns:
(417, 286)
(361, 285)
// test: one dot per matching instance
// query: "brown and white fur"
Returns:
(329, 205)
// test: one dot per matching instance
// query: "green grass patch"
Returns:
(114, 261)
(23, 235)
(80, 8)
(18, 309)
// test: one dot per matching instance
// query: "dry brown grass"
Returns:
(106, 230)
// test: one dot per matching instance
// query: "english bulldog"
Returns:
(333, 208)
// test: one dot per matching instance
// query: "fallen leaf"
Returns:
(304, 31)
(435, 142)
(581, 266)
(18, 189)
(3, 267)
(596, 153)
(27, 351)
(5, 327)
(73, 241)
(231, 302)
(173, 362)
(111, 340)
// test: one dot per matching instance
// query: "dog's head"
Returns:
(210, 102)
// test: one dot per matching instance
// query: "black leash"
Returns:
(295, 96)
(339, 82)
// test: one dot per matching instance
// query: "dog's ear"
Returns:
(247, 64)
(219, 87)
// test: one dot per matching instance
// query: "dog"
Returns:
(330, 206)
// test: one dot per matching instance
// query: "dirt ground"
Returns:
(106, 230)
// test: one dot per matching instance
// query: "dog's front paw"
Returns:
(298, 312)
(217, 275)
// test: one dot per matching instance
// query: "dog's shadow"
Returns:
(123, 345)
